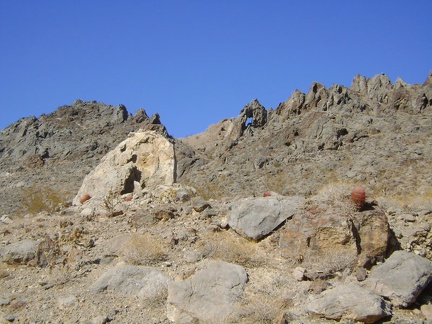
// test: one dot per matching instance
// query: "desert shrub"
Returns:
(260, 309)
(213, 189)
(143, 249)
(337, 194)
(48, 252)
(408, 201)
(37, 199)
(226, 247)
(110, 202)
(329, 261)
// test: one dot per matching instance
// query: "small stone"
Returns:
(318, 286)
(87, 212)
(408, 218)
(210, 212)
(361, 274)
(68, 301)
(5, 219)
(427, 311)
(299, 273)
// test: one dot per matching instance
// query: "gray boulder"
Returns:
(144, 282)
(257, 217)
(19, 252)
(208, 295)
(349, 302)
(401, 278)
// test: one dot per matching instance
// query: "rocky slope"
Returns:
(375, 133)
(57, 150)
(248, 222)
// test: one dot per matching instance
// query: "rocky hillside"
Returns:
(317, 211)
(375, 133)
(54, 152)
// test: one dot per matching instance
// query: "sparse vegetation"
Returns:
(226, 247)
(336, 194)
(143, 249)
(328, 261)
(38, 199)
(110, 202)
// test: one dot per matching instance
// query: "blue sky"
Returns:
(196, 62)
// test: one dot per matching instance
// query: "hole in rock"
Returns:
(129, 184)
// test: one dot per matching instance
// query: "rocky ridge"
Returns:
(249, 221)
(57, 150)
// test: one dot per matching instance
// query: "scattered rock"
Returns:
(208, 294)
(199, 204)
(349, 302)
(67, 301)
(257, 217)
(19, 253)
(427, 311)
(401, 278)
(299, 273)
(144, 282)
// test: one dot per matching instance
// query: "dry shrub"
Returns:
(329, 261)
(260, 309)
(143, 249)
(38, 199)
(234, 249)
(110, 202)
(48, 253)
(408, 200)
(214, 188)
(337, 195)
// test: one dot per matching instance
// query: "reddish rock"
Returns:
(358, 196)
(128, 197)
(84, 198)
(267, 193)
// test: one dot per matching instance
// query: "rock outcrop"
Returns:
(144, 160)
(355, 133)
(358, 238)
(55, 151)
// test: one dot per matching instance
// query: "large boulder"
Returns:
(360, 236)
(207, 295)
(257, 217)
(401, 278)
(144, 282)
(144, 159)
(349, 302)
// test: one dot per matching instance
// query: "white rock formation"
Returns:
(144, 160)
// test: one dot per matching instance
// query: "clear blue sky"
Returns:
(198, 61)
